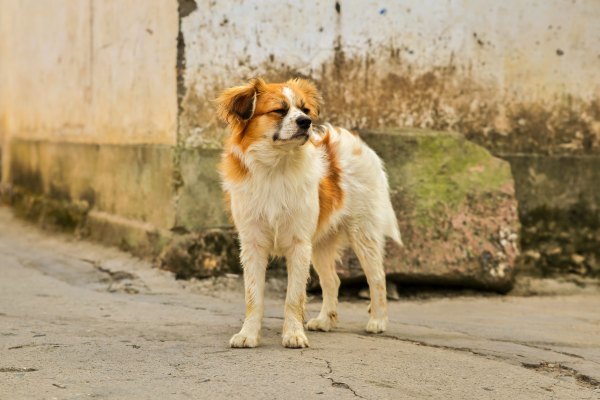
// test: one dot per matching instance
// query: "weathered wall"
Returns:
(88, 108)
(91, 71)
(521, 78)
(515, 75)
(110, 102)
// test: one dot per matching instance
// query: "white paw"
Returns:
(295, 340)
(376, 325)
(320, 324)
(240, 340)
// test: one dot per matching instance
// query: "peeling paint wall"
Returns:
(516, 76)
(93, 71)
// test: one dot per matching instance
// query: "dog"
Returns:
(303, 193)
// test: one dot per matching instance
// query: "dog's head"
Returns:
(277, 113)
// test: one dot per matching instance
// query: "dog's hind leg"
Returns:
(369, 251)
(325, 254)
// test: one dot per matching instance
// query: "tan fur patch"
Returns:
(253, 131)
(331, 196)
(233, 168)
(297, 310)
(249, 308)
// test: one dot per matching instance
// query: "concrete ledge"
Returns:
(134, 181)
(118, 195)
(139, 238)
(136, 197)
(47, 212)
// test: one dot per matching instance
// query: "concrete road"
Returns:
(78, 320)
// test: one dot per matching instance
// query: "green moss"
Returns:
(437, 171)
(445, 171)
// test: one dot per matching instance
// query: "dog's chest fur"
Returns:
(280, 200)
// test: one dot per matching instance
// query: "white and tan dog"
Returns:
(305, 194)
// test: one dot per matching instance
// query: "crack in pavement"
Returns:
(545, 367)
(116, 275)
(522, 343)
(22, 346)
(17, 369)
(557, 369)
(439, 346)
(539, 347)
(334, 383)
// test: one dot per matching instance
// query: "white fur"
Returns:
(276, 208)
(289, 126)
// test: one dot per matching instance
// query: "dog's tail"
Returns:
(391, 230)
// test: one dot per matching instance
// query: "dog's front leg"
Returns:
(254, 260)
(298, 266)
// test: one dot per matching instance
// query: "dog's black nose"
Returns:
(304, 122)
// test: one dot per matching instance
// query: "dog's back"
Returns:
(364, 185)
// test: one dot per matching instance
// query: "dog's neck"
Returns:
(266, 159)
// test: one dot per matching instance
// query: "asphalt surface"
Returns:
(79, 320)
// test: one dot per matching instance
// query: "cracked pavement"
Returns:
(79, 320)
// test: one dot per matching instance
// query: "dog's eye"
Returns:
(280, 111)
(306, 110)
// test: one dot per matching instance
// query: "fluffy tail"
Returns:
(392, 230)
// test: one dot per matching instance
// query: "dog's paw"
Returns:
(376, 325)
(240, 340)
(320, 324)
(295, 340)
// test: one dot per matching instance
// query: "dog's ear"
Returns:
(237, 104)
(313, 97)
